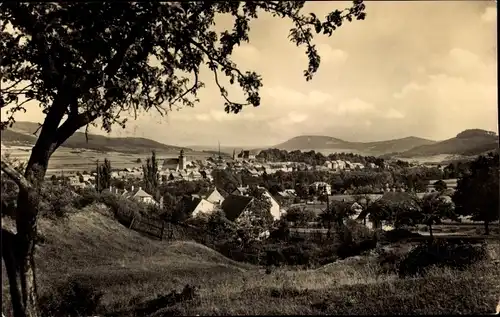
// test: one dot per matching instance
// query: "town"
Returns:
(359, 172)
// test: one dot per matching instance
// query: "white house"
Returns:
(201, 206)
(322, 187)
(275, 206)
(140, 195)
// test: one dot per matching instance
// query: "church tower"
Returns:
(182, 161)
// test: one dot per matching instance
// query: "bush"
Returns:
(56, 201)
(356, 238)
(71, 299)
(442, 254)
(124, 209)
(87, 197)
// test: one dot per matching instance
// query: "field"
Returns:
(132, 271)
(80, 160)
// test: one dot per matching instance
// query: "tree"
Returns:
(336, 214)
(151, 176)
(434, 208)
(440, 185)
(300, 217)
(103, 177)
(477, 191)
(83, 61)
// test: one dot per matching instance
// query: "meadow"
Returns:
(72, 160)
(134, 273)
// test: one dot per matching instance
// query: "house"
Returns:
(321, 188)
(275, 206)
(196, 206)
(235, 205)
(213, 195)
(140, 195)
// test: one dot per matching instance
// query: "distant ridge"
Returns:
(22, 134)
(331, 144)
(468, 143)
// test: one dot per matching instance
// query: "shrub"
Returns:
(356, 238)
(440, 253)
(56, 201)
(71, 299)
(87, 197)
(124, 209)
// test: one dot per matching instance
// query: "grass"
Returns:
(132, 270)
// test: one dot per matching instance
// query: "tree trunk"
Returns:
(26, 224)
(430, 232)
(486, 228)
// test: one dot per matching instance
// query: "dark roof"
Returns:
(171, 161)
(234, 205)
(189, 204)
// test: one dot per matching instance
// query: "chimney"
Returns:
(140, 188)
(132, 189)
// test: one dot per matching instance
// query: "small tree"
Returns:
(103, 177)
(300, 217)
(434, 208)
(338, 212)
(151, 175)
(477, 191)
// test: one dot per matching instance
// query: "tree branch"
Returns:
(17, 177)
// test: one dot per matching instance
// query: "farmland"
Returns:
(66, 159)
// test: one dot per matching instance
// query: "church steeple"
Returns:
(182, 160)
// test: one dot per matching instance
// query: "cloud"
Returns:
(246, 53)
(354, 106)
(331, 55)
(489, 15)
(444, 105)
(290, 97)
(393, 114)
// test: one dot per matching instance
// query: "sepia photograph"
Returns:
(208, 158)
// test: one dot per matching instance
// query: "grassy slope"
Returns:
(23, 131)
(131, 269)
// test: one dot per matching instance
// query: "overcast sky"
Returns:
(412, 68)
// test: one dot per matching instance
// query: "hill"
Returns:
(22, 133)
(467, 143)
(92, 247)
(331, 144)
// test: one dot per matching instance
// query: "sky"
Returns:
(413, 68)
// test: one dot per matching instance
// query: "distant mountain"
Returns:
(330, 144)
(22, 133)
(468, 143)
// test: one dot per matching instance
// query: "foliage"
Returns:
(300, 217)
(103, 177)
(72, 299)
(151, 175)
(338, 212)
(56, 201)
(316, 158)
(83, 61)
(257, 218)
(434, 208)
(477, 191)
(440, 185)
(440, 253)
